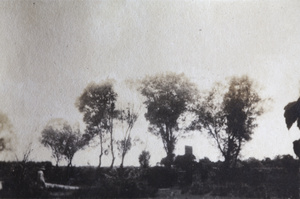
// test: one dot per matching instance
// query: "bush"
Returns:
(144, 159)
(199, 188)
(125, 183)
(21, 181)
(162, 177)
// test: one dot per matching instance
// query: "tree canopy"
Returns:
(63, 140)
(167, 97)
(292, 113)
(230, 117)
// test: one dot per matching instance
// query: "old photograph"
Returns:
(149, 99)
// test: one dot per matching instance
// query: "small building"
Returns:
(188, 150)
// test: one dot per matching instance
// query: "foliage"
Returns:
(253, 163)
(296, 147)
(274, 178)
(119, 183)
(20, 180)
(63, 140)
(168, 97)
(168, 160)
(144, 159)
(162, 177)
(292, 113)
(229, 118)
(97, 103)
(184, 162)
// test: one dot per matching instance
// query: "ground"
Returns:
(175, 193)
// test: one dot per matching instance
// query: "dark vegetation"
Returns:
(251, 178)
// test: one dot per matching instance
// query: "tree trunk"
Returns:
(170, 146)
(122, 161)
(101, 150)
(112, 161)
(100, 157)
(112, 145)
(70, 162)
(170, 155)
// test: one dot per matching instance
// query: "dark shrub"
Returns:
(162, 177)
(199, 188)
(119, 183)
(144, 159)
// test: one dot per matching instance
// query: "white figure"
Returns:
(40, 178)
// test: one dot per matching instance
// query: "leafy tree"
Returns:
(144, 159)
(168, 97)
(51, 140)
(97, 103)
(63, 140)
(128, 116)
(230, 117)
(73, 141)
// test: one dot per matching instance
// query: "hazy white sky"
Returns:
(51, 50)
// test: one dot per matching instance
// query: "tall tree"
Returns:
(168, 97)
(129, 117)
(97, 103)
(230, 117)
(63, 140)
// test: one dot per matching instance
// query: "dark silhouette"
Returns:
(144, 159)
(292, 113)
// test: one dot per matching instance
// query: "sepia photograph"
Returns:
(150, 99)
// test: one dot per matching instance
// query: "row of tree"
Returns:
(174, 106)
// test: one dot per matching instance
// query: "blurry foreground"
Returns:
(275, 178)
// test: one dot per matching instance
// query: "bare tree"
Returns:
(129, 117)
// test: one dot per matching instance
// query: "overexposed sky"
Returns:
(51, 50)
